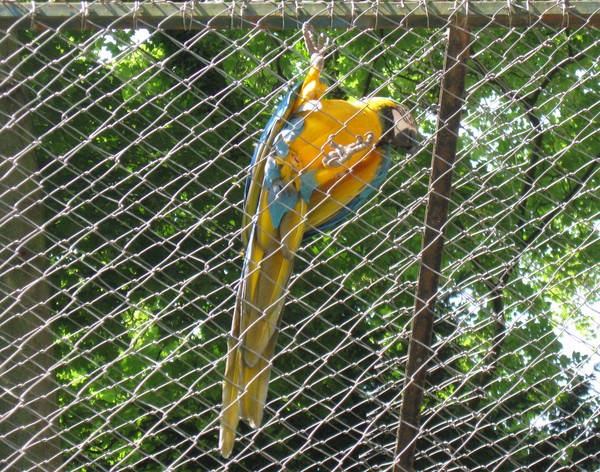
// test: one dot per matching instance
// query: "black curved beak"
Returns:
(409, 140)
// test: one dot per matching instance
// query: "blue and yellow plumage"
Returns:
(316, 162)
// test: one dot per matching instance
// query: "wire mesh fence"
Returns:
(125, 154)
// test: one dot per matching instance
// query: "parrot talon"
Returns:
(341, 154)
(316, 46)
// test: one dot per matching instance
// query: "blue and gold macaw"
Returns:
(316, 162)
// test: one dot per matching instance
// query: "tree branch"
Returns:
(496, 289)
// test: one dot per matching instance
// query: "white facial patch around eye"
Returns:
(402, 118)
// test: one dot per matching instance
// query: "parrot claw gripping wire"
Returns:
(341, 154)
(316, 46)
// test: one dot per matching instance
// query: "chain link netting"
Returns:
(124, 158)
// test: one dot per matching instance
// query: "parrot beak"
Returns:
(404, 133)
(407, 139)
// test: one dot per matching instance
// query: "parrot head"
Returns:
(399, 127)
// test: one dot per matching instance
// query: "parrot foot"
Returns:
(316, 46)
(341, 154)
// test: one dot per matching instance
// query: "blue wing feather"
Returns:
(254, 182)
(273, 126)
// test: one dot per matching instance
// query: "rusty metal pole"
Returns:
(440, 186)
